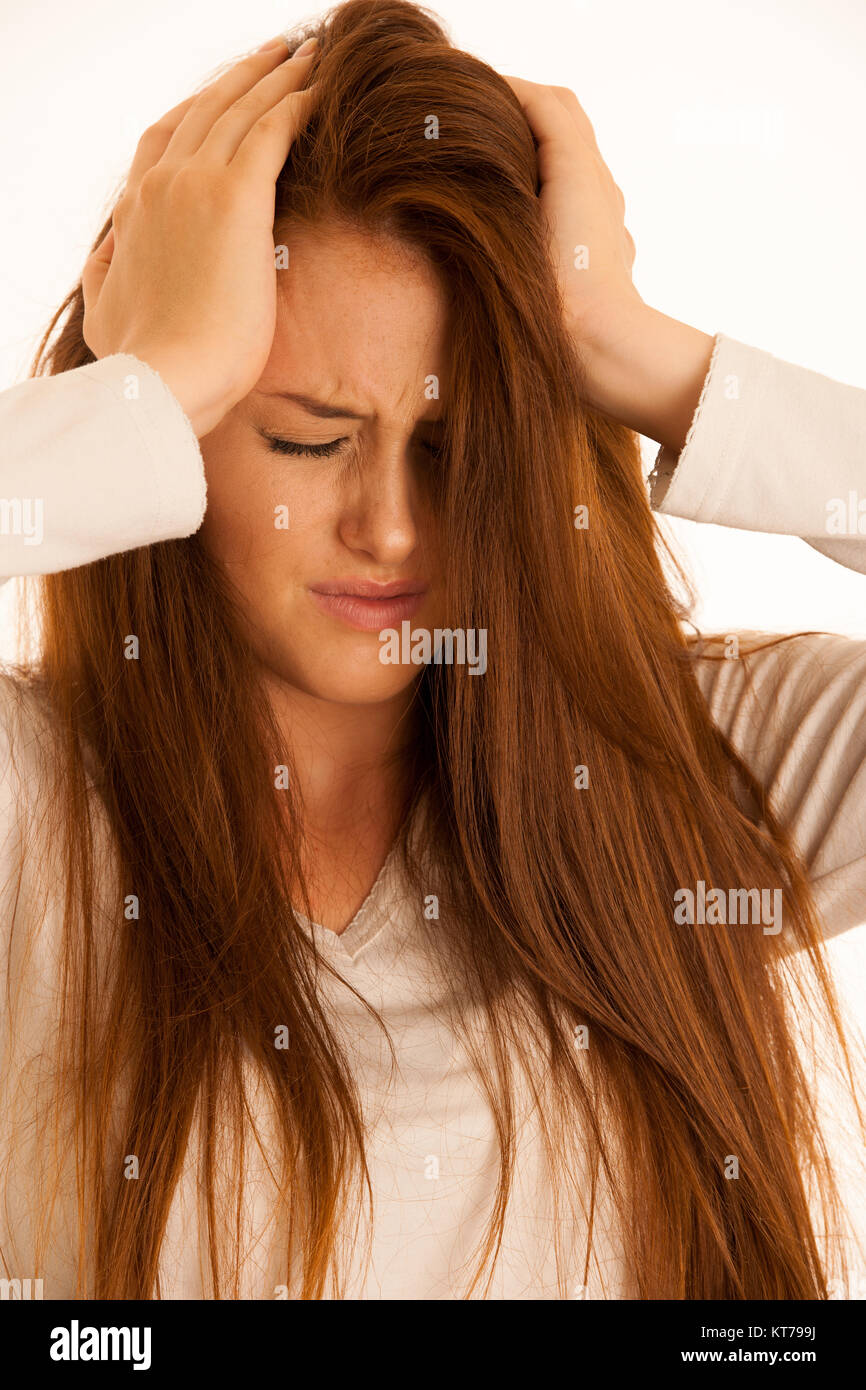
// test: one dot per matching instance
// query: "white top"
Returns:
(112, 458)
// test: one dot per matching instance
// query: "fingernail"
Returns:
(305, 48)
(273, 43)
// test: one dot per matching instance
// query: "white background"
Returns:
(734, 129)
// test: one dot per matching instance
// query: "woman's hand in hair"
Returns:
(591, 246)
(185, 279)
(642, 367)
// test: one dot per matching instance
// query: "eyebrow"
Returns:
(330, 412)
(320, 408)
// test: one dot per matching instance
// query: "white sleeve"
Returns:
(93, 462)
(772, 447)
(776, 448)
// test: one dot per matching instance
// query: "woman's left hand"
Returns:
(592, 248)
(641, 367)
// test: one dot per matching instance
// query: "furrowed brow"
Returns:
(323, 409)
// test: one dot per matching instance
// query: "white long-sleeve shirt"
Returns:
(102, 459)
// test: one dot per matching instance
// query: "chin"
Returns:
(338, 679)
(373, 693)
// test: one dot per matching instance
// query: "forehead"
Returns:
(357, 314)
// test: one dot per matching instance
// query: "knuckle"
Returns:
(270, 123)
(195, 183)
(153, 138)
(193, 179)
(248, 104)
(122, 209)
(150, 184)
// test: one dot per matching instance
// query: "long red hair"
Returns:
(556, 904)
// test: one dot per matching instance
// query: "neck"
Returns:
(349, 760)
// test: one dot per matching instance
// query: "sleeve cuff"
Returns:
(168, 442)
(679, 484)
(773, 447)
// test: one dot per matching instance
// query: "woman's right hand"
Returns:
(185, 279)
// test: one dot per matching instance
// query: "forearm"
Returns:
(775, 448)
(648, 374)
(95, 461)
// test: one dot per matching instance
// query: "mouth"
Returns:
(367, 606)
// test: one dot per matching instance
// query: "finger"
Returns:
(209, 105)
(96, 267)
(152, 145)
(551, 124)
(231, 130)
(527, 94)
(105, 249)
(154, 142)
(568, 99)
(262, 153)
(566, 96)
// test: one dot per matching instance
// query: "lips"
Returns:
(368, 606)
(369, 588)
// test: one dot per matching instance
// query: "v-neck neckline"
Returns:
(367, 921)
(385, 902)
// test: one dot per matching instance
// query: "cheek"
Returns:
(260, 516)
(237, 496)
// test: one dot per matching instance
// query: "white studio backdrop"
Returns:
(733, 128)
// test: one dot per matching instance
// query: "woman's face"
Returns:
(356, 364)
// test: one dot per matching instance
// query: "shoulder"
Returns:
(794, 709)
(802, 684)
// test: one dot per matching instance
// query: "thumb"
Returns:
(96, 267)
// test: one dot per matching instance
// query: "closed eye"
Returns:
(295, 449)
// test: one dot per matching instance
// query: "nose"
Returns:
(380, 513)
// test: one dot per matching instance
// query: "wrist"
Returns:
(647, 372)
(202, 416)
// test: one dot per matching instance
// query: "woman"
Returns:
(335, 972)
